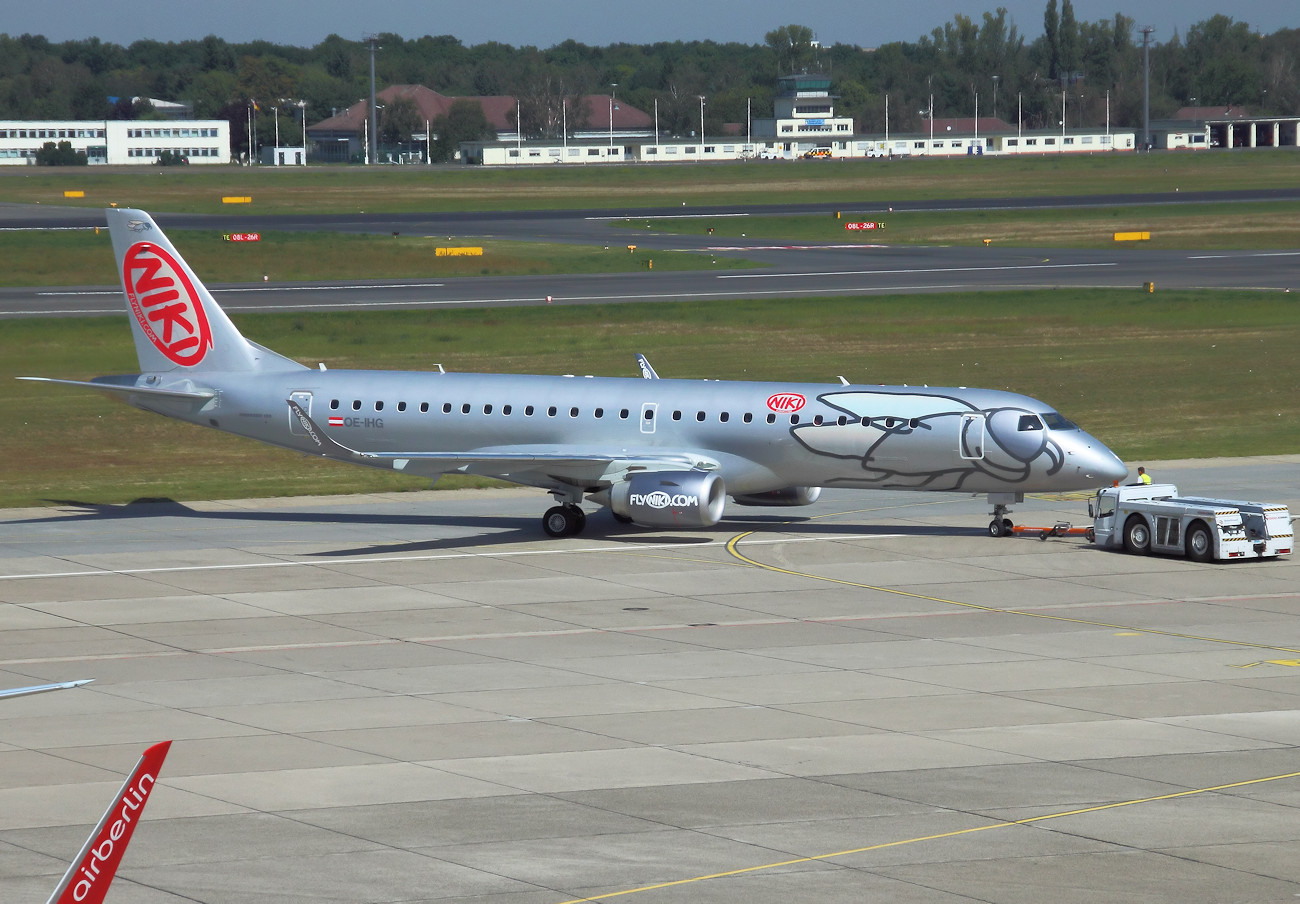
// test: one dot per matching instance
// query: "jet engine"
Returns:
(681, 499)
(783, 496)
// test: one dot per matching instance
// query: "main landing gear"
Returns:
(564, 520)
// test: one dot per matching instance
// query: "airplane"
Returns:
(90, 874)
(662, 453)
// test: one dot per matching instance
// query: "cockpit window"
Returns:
(1029, 422)
(1055, 422)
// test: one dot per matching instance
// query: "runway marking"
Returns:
(434, 557)
(732, 544)
(1215, 257)
(1031, 820)
(918, 270)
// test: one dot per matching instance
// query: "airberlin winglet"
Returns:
(88, 878)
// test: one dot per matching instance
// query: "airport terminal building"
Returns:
(118, 141)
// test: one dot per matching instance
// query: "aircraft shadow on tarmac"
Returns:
(503, 530)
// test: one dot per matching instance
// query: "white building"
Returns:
(118, 142)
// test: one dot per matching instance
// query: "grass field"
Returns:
(846, 182)
(1185, 226)
(85, 258)
(1170, 375)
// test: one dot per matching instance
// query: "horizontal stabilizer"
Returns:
(130, 388)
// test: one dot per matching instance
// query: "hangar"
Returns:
(1199, 128)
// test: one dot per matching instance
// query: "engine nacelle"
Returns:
(681, 499)
(783, 496)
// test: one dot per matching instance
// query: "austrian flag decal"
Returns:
(164, 302)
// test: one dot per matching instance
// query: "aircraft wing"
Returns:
(42, 688)
(534, 465)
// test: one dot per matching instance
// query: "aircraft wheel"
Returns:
(560, 521)
(1137, 536)
(580, 519)
(996, 528)
(1007, 527)
(1200, 545)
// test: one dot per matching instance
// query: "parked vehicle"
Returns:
(1154, 518)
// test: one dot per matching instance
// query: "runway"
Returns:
(794, 272)
(418, 698)
(784, 269)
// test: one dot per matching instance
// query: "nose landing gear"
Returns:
(1001, 525)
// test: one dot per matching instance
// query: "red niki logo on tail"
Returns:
(164, 302)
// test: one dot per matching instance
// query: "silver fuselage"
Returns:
(764, 436)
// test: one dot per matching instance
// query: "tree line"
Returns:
(1219, 61)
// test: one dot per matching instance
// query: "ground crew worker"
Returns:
(1143, 477)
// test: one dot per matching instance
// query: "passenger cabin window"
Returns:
(677, 415)
(573, 412)
(771, 418)
(550, 412)
(794, 419)
(599, 413)
(528, 411)
(505, 410)
(446, 407)
(401, 406)
(487, 409)
(356, 404)
(817, 420)
(749, 417)
(464, 409)
(334, 404)
(424, 408)
(724, 417)
(623, 413)
(699, 415)
(379, 406)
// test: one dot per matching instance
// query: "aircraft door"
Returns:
(971, 439)
(648, 412)
(303, 400)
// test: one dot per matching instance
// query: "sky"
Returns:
(867, 23)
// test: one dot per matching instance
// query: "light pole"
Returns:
(613, 86)
(701, 124)
(996, 79)
(276, 110)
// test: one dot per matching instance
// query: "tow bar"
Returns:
(1059, 529)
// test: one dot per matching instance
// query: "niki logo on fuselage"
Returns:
(165, 304)
(910, 439)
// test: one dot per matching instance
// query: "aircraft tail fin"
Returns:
(176, 323)
(88, 878)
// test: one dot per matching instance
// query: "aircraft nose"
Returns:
(1095, 462)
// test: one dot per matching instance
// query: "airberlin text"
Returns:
(133, 799)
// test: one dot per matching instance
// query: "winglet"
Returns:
(88, 878)
(646, 370)
(42, 688)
